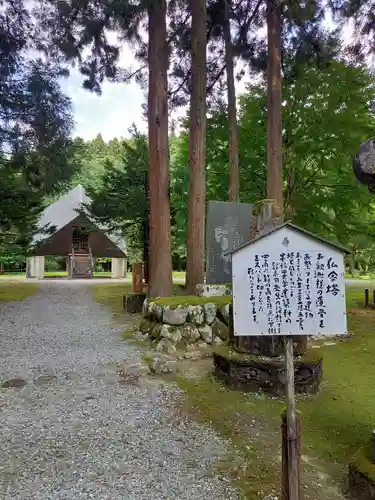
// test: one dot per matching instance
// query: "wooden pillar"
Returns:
(288, 445)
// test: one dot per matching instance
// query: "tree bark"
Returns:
(197, 148)
(234, 175)
(274, 143)
(160, 279)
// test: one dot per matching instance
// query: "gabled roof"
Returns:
(64, 210)
(336, 246)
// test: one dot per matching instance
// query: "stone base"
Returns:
(269, 346)
(133, 302)
(362, 476)
(251, 373)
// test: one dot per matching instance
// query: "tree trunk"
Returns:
(234, 175)
(160, 280)
(197, 148)
(274, 144)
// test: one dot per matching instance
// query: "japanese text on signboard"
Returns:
(292, 292)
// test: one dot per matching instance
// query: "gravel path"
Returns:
(74, 431)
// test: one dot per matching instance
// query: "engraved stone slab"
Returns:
(228, 227)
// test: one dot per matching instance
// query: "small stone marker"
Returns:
(228, 227)
(364, 164)
(289, 282)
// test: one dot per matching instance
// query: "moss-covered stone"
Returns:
(190, 333)
(220, 329)
(155, 331)
(146, 325)
(362, 475)
(362, 462)
(193, 300)
(230, 353)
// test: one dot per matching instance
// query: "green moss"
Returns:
(12, 291)
(128, 334)
(231, 354)
(362, 462)
(111, 295)
(147, 359)
(193, 300)
(230, 414)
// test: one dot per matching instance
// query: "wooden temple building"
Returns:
(65, 230)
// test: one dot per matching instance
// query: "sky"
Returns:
(111, 113)
(120, 105)
(116, 109)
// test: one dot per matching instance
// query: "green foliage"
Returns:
(119, 199)
(326, 115)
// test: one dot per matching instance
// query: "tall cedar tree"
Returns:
(234, 174)
(197, 147)
(274, 137)
(160, 279)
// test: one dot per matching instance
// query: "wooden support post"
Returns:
(137, 277)
(373, 447)
(373, 297)
(285, 455)
(366, 297)
(292, 475)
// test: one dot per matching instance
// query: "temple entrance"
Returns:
(81, 264)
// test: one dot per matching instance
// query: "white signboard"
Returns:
(286, 292)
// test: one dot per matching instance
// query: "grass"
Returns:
(336, 423)
(112, 294)
(13, 291)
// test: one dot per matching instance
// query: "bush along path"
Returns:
(72, 428)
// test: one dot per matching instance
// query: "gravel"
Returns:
(77, 431)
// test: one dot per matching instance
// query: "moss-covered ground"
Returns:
(14, 291)
(336, 423)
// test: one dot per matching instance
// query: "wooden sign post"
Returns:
(293, 458)
(286, 283)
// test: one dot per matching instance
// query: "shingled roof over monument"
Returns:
(65, 210)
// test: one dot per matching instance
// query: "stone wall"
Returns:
(170, 328)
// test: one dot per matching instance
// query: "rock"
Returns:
(190, 333)
(171, 332)
(45, 379)
(135, 370)
(195, 315)
(175, 317)
(145, 308)
(213, 290)
(14, 383)
(218, 341)
(219, 329)
(206, 333)
(210, 311)
(141, 336)
(155, 311)
(164, 365)
(223, 314)
(166, 346)
(146, 325)
(202, 345)
(194, 355)
(155, 331)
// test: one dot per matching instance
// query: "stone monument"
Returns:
(228, 227)
(364, 164)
